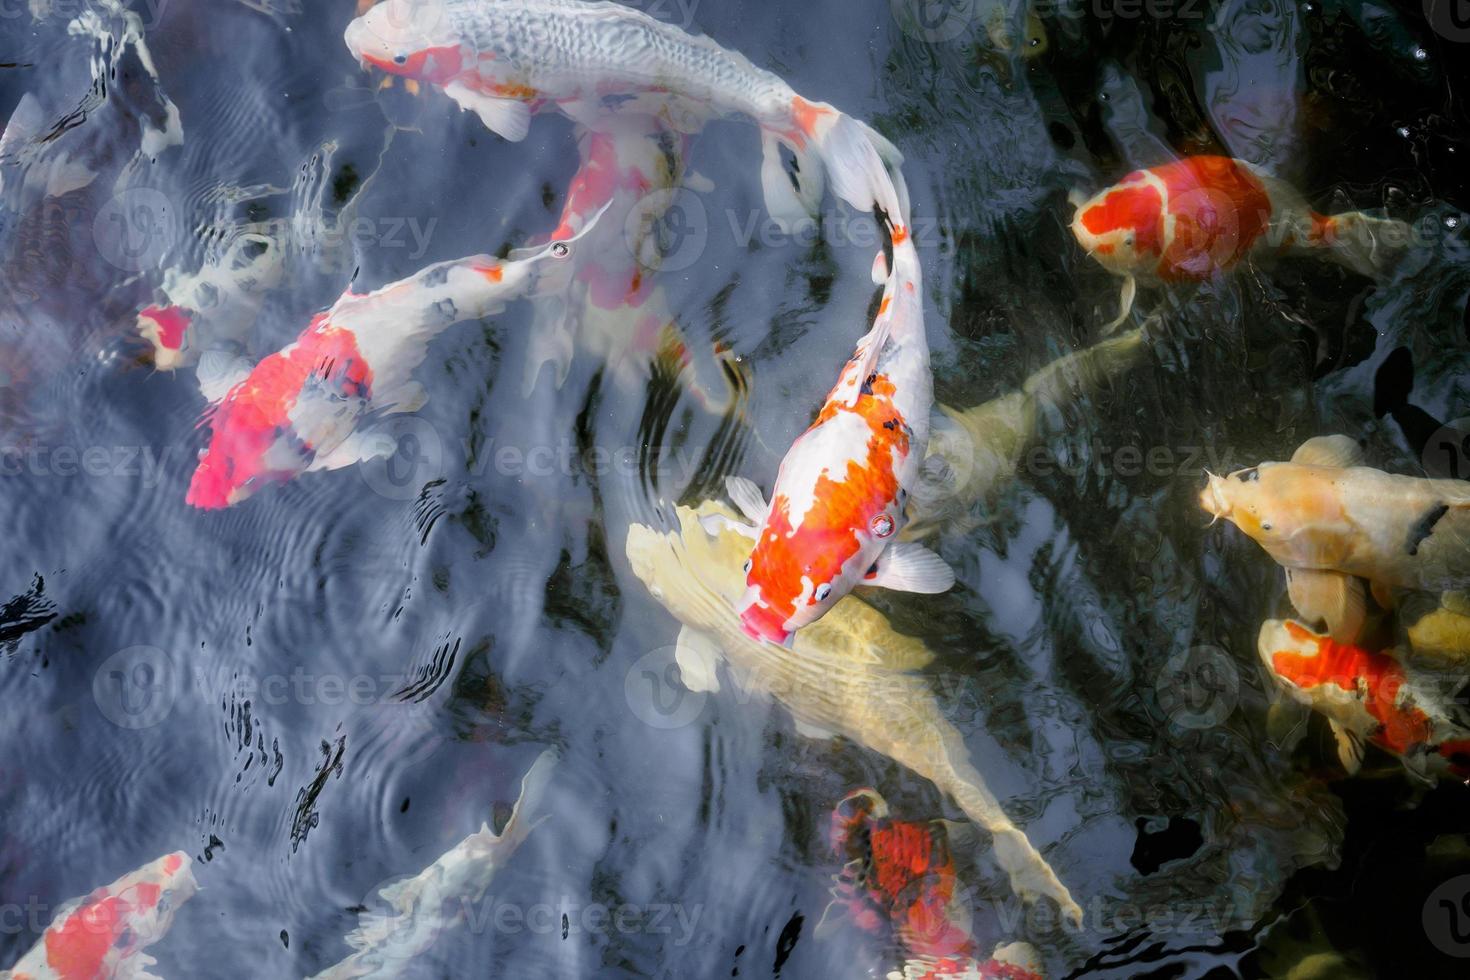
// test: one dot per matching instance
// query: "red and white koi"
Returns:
(598, 61)
(1009, 961)
(435, 900)
(1198, 216)
(840, 494)
(1366, 697)
(301, 409)
(103, 935)
(1329, 521)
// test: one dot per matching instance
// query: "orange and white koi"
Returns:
(435, 900)
(840, 494)
(598, 61)
(302, 408)
(1366, 697)
(103, 935)
(1329, 521)
(1200, 215)
(899, 876)
(1009, 961)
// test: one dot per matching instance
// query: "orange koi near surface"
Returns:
(1365, 697)
(104, 934)
(1196, 217)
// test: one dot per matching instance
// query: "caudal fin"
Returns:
(830, 147)
(1369, 246)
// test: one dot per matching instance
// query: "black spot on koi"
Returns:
(1425, 526)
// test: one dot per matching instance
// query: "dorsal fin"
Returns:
(1339, 450)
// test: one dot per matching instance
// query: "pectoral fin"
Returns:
(1333, 597)
(1349, 748)
(745, 495)
(909, 567)
(356, 448)
(697, 656)
(808, 730)
(1126, 298)
(218, 372)
(510, 118)
(1342, 451)
(716, 524)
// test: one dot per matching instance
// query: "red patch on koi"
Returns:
(808, 115)
(172, 322)
(438, 65)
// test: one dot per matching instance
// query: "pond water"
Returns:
(321, 689)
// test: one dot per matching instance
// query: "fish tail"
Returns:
(829, 146)
(533, 788)
(1369, 246)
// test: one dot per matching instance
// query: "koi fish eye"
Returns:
(823, 591)
(882, 525)
(1265, 526)
(1128, 239)
(1249, 476)
(561, 250)
(748, 565)
(400, 59)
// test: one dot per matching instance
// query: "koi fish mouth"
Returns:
(763, 624)
(1213, 499)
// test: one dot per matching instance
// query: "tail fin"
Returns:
(533, 788)
(1367, 245)
(830, 146)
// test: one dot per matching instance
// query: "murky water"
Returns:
(324, 688)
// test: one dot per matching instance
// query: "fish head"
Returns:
(852, 812)
(411, 38)
(1122, 227)
(1294, 511)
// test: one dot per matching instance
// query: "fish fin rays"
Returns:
(358, 447)
(716, 524)
(1341, 451)
(218, 372)
(1337, 599)
(745, 495)
(508, 118)
(908, 567)
(1126, 297)
(793, 196)
(697, 656)
(1350, 748)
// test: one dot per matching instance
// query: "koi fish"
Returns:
(434, 901)
(596, 61)
(1329, 521)
(840, 494)
(898, 875)
(850, 674)
(1365, 697)
(103, 935)
(1198, 216)
(301, 409)
(1009, 961)
(213, 307)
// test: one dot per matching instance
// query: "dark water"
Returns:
(326, 687)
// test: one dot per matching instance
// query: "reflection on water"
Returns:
(316, 694)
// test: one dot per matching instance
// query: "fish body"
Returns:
(435, 900)
(840, 496)
(596, 61)
(103, 935)
(899, 875)
(302, 408)
(1366, 696)
(1329, 521)
(1198, 216)
(1010, 961)
(847, 674)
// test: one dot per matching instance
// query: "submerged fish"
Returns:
(1365, 697)
(507, 59)
(841, 492)
(899, 875)
(434, 900)
(1010, 961)
(304, 407)
(848, 674)
(1193, 218)
(103, 935)
(1329, 521)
